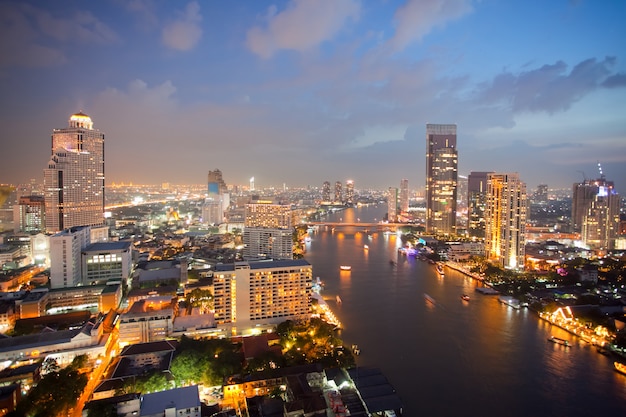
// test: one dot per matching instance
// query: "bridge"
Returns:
(363, 225)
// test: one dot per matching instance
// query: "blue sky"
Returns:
(304, 91)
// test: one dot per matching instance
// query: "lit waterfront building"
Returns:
(595, 213)
(338, 192)
(74, 178)
(349, 192)
(441, 178)
(505, 220)
(29, 215)
(257, 295)
(326, 191)
(404, 195)
(476, 203)
(392, 204)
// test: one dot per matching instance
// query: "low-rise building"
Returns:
(147, 320)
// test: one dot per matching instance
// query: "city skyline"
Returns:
(313, 91)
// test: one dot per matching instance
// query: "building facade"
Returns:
(268, 231)
(476, 203)
(349, 192)
(66, 256)
(441, 178)
(404, 195)
(74, 178)
(392, 204)
(326, 191)
(30, 215)
(595, 213)
(252, 295)
(505, 220)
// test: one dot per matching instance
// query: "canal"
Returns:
(453, 357)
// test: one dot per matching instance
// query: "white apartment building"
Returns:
(66, 256)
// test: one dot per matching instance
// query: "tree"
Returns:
(188, 367)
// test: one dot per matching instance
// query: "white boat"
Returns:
(429, 299)
(338, 300)
(345, 267)
(440, 269)
(366, 247)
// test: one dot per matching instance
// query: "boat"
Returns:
(429, 299)
(439, 269)
(345, 267)
(620, 367)
(366, 247)
(559, 341)
(465, 297)
(510, 301)
(338, 299)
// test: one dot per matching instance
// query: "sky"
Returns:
(299, 92)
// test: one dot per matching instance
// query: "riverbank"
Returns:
(564, 321)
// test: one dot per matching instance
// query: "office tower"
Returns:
(349, 192)
(326, 191)
(256, 294)
(505, 220)
(268, 231)
(66, 256)
(476, 203)
(404, 195)
(252, 184)
(30, 215)
(441, 178)
(218, 199)
(74, 179)
(338, 192)
(392, 205)
(595, 213)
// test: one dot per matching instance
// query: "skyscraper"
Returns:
(74, 178)
(326, 191)
(441, 178)
(392, 205)
(30, 215)
(505, 220)
(476, 203)
(404, 195)
(595, 212)
(349, 192)
(268, 231)
(338, 192)
(217, 200)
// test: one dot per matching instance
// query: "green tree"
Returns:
(188, 367)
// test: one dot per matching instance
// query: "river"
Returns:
(451, 358)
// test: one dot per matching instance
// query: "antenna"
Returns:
(600, 169)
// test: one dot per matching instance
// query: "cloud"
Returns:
(33, 37)
(185, 32)
(550, 88)
(417, 18)
(304, 24)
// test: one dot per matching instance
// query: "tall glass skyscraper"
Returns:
(74, 178)
(441, 178)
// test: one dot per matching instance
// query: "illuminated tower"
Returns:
(349, 192)
(441, 178)
(404, 195)
(217, 200)
(74, 178)
(476, 203)
(338, 192)
(392, 204)
(595, 212)
(505, 220)
(268, 231)
(326, 191)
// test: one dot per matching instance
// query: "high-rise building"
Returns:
(392, 204)
(338, 192)
(404, 195)
(30, 215)
(74, 178)
(66, 256)
(476, 203)
(595, 213)
(217, 200)
(349, 192)
(326, 191)
(268, 231)
(441, 178)
(505, 220)
(258, 294)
